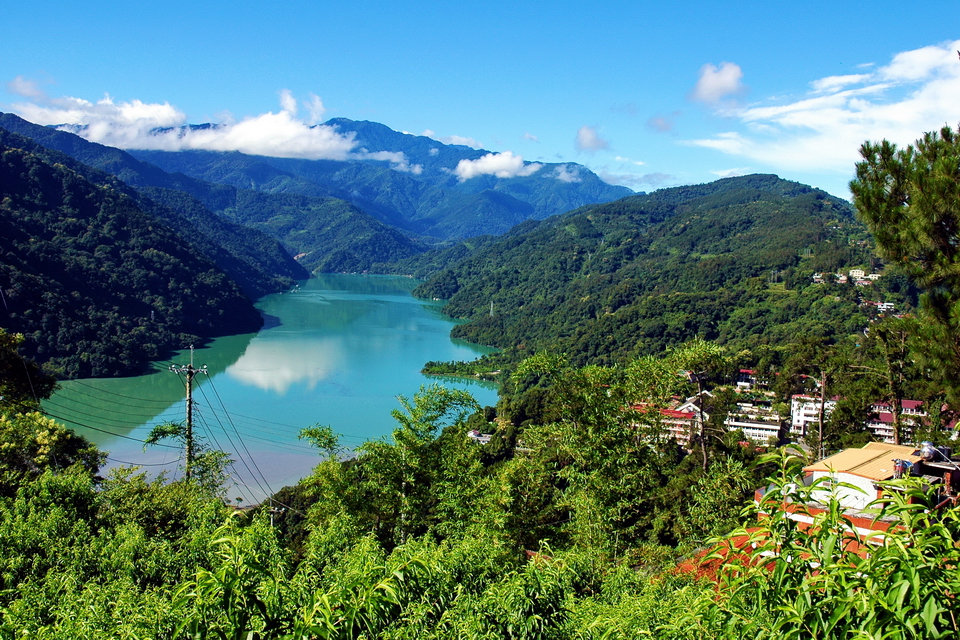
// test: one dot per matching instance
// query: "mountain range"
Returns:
(729, 261)
(554, 264)
(422, 194)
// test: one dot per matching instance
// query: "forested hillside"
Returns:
(426, 197)
(328, 234)
(730, 261)
(98, 286)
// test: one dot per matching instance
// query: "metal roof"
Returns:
(873, 461)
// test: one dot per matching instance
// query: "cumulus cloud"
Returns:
(139, 125)
(458, 140)
(501, 165)
(434, 151)
(287, 102)
(315, 108)
(822, 131)
(588, 139)
(717, 83)
(26, 88)
(567, 173)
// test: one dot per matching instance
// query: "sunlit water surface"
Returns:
(337, 351)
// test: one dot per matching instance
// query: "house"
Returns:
(861, 468)
(841, 278)
(680, 424)
(479, 438)
(873, 276)
(880, 418)
(746, 379)
(854, 477)
(805, 412)
(758, 421)
(857, 274)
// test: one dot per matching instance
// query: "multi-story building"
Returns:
(805, 411)
(880, 419)
(759, 422)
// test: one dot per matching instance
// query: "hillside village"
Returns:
(754, 414)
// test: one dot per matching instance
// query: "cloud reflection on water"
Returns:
(276, 365)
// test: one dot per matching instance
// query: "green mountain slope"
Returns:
(730, 261)
(426, 199)
(346, 239)
(98, 286)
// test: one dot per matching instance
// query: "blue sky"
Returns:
(647, 95)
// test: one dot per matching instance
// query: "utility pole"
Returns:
(190, 372)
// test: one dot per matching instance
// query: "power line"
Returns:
(252, 460)
(87, 426)
(220, 448)
(144, 464)
(113, 393)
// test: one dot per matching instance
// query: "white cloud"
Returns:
(458, 140)
(639, 163)
(315, 108)
(833, 83)
(501, 165)
(397, 159)
(287, 102)
(715, 83)
(434, 151)
(26, 88)
(567, 173)
(730, 173)
(139, 125)
(637, 181)
(588, 139)
(531, 137)
(916, 92)
(663, 124)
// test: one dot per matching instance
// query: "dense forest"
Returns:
(730, 261)
(328, 234)
(590, 526)
(98, 286)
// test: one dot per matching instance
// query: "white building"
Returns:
(880, 420)
(758, 422)
(805, 411)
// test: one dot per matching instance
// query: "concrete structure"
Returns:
(759, 422)
(861, 468)
(805, 411)
(880, 419)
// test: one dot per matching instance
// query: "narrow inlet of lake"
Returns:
(337, 351)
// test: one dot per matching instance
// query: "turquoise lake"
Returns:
(337, 350)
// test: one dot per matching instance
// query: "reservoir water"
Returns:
(337, 350)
